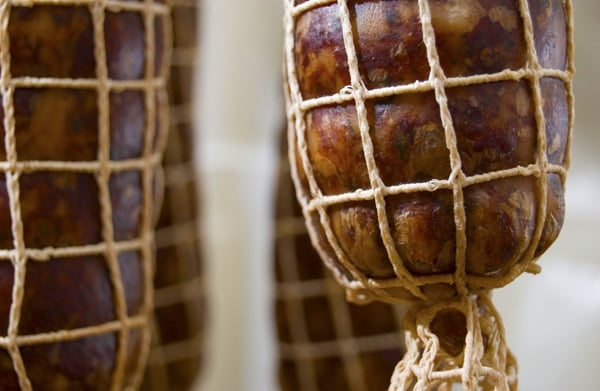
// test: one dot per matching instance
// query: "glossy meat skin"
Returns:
(61, 209)
(494, 122)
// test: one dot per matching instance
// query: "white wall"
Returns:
(239, 117)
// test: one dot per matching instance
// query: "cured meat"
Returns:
(66, 286)
(469, 157)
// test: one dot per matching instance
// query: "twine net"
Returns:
(424, 366)
(325, 342)
(455, 342)
(179, 300)
(84, 107)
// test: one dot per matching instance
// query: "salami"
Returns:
(427, 154)
(74, 278)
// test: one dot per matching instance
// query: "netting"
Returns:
(429, 145)
(178, 326)
(325, 343)
(84, 107)
(455, 342)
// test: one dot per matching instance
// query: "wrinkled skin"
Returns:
(495, 127)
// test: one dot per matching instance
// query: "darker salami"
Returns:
(61, 209)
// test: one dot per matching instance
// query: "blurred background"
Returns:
(552, 319)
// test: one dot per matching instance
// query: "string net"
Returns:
(178, 325)
(429, 146)
(325, 342)
(455, 342)
(84, 122)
